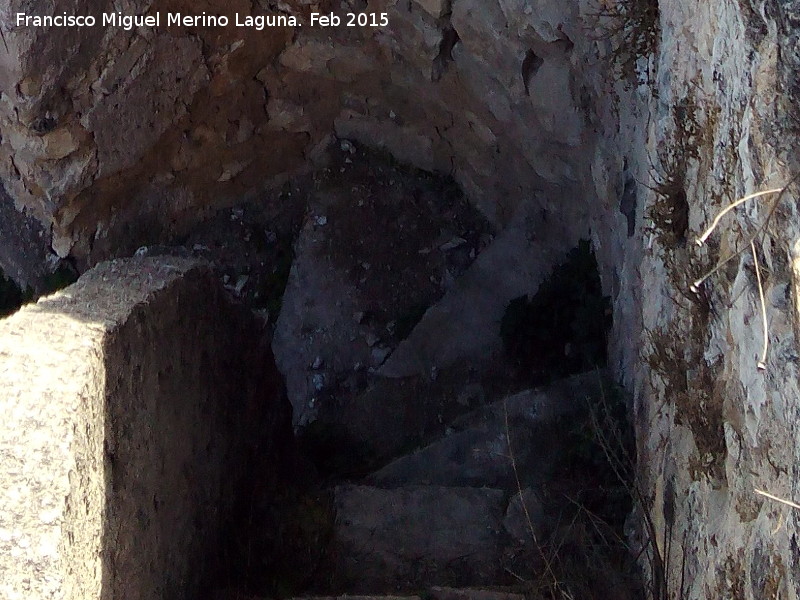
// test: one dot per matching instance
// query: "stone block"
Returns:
(120, 396)
(405, 538)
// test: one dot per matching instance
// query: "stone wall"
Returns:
(713, 428)
(127, 401)
(118, 138)
(515, 100)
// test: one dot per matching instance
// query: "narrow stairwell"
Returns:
(516, 499)
(456, 435)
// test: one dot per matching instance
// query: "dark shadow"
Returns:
(11, 296)
(24, 246)
(562, 329)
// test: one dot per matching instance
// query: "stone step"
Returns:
(475, 452)
(432, 593)
(455, 513)
(409, 538)
(464, 326)
(363, 432)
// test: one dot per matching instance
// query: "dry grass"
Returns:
(774, 196)
(633, 28)
(584, 554)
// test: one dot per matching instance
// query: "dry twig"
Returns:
(776, 498)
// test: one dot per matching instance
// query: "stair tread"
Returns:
(432, 593)
(476, 452)
(409, 537)
(463, 325)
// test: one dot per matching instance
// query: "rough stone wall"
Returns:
(25, 254)
(115, 138)
(712, 428)
(118, 460)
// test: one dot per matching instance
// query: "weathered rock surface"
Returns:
(375, 250)
(182, 119)
(120, 398)
(25, 246)
(316, 335)
(712, 428)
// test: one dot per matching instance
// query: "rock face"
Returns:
(712, 428)
(635, 140)
(139, 132)
(379, 245)
(25, 250)
(119, 398)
